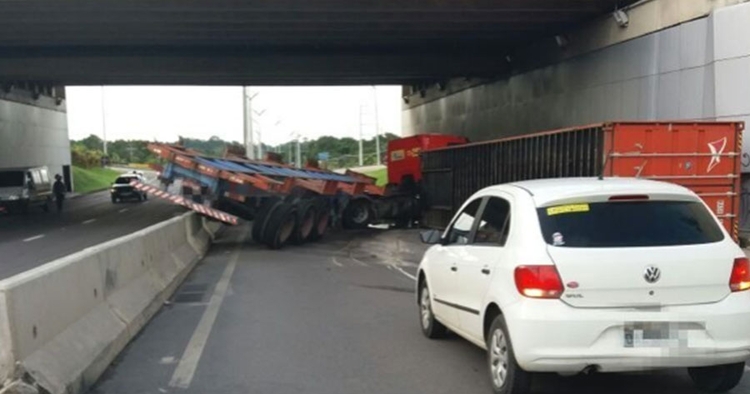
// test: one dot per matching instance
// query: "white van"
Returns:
(22, 188)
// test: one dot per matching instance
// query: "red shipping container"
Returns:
(702, 156)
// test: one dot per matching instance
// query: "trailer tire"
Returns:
(322, 218)
(357, 214)
(280, 226)
(261, 218)
(307, 213)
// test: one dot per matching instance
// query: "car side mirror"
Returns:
(430, 237)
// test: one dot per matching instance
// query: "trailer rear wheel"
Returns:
(322, 217)
(307, 212)
(261, 218)
(281, 224)
(357, 214)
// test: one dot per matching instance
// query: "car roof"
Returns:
(545, 191)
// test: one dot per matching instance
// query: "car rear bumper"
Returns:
(550, 336)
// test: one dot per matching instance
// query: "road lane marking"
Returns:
(336, 262)
(408, 275)
(33, 238)
(88, 221)
(123, 210)
(183, 374)
(358, 261)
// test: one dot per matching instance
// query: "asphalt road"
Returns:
(338, 316)
(27, 241)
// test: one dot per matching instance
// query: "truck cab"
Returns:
(25, 187)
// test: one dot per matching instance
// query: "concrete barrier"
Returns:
(62, 324)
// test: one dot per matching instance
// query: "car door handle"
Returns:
(486, 271)
(454, 268)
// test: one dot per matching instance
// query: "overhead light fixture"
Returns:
(561, 40)
(621, 17)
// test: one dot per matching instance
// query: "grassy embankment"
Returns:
(88, 180)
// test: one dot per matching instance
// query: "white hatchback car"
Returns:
(587, 275)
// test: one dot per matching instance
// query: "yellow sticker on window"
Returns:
(571, 208)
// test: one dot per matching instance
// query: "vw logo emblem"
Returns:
(652, 274)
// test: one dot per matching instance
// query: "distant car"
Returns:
(121, 189)
(22, 188)
(588, 275)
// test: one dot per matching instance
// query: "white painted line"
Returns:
(123, 210)
(408, 275)
(183, 374)
(33, 238)
(336, 262)
(89, 221)
(358, 261)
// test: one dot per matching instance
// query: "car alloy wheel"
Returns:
(425, 308)
(499, 358)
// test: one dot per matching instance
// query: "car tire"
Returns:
(506, 376)
(282, 223)
(114, 200)
(261, 218)
(431, 328)
(718, 378)
(306, 213)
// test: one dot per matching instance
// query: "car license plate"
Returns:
(653, 334)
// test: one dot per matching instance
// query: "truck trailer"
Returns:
(430, 175)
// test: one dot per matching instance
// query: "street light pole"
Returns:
(299, 154)
(377, 124)
(361, 120)
(104, 124)
(260, 127)
(247, 121)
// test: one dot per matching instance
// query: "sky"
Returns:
(163, 113)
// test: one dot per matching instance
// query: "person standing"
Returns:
(59, 190)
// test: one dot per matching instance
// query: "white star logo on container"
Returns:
(717, 148)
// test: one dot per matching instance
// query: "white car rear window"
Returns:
(628, 224)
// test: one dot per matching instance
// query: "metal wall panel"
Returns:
(692, 82)
(733, 86)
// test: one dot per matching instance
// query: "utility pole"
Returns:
(104, 124)
(361, 126)
(247, 121)
(299, 154)
(377, 124)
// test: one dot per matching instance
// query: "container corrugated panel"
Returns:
(702, 156)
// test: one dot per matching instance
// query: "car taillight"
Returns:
(538, 281)
(740, 279)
